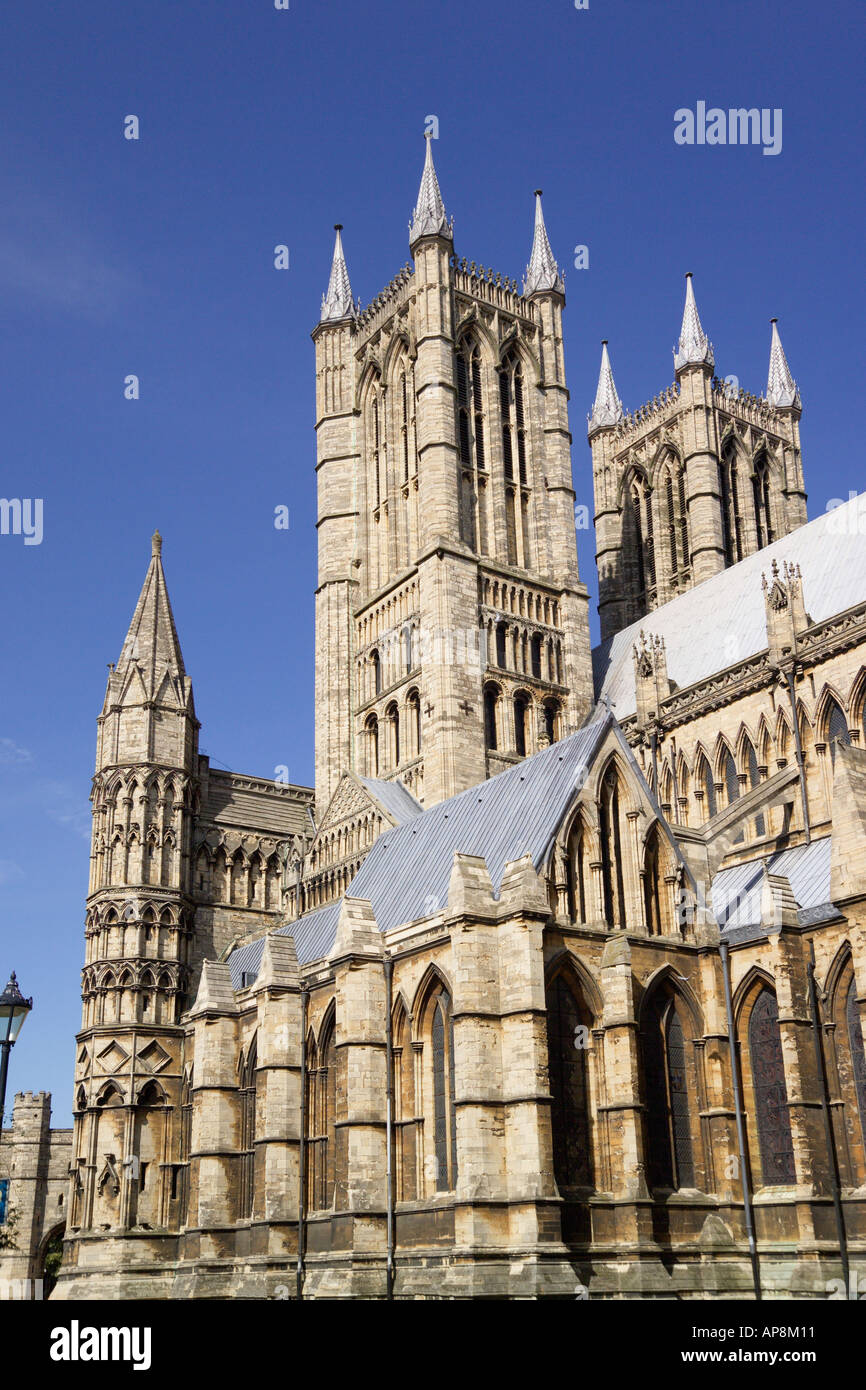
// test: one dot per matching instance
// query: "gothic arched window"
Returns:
(577, 864)
(638, 538)
(246, 1187)
(772, 1118)
(761, 492)
(837, 727)
(670, 1085)
(611, 851)
(569, 1026)
(754, 775)
(551, 711)
(704, 780)
(321, 1117)
(657, 905)
(413, 703)
(732, 522)
(438, 1036)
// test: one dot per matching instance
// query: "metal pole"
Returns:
(302, 1155)
(828, 1121)
(741, 1127)
(6, 1047)
(389, 1125)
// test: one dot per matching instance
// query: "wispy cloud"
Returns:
(12, 752)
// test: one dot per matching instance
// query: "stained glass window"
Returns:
(771, 1094)
(568, 1086)
(858, 1057)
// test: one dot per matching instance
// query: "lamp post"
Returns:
(14, 1008)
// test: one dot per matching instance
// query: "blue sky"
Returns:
(155, 257)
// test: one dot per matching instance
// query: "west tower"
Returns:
(451, 622)
(700, 477)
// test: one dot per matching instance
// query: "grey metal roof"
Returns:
(397, 800)
(314, 936)
(722, 621)
(405, 876)
(737, 891)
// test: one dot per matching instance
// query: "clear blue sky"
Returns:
(155, 257)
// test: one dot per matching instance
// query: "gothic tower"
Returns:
(700, 477)
(451, 622)
(138, 932)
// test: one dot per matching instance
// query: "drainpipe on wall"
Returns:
(741, 1126)
(828, 1121)
(389, 1126)
(302, 1153)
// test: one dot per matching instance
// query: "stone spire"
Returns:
(781, 386)
(607, 408)
(542, 273)
(151, 642)
(694, 346)
(429, 218)
(337, 303)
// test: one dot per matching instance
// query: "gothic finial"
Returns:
(694, 346)
(607, 408)
(156, 544)
(429, 218)
(337, 303)
(542, 273)
(781, 386)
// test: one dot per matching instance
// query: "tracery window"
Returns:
(732, 522)
(670, 1088)
(471, 444)
(761, 492)
(569, 1026)
(676, 520)
(577, 867)
(638, 538)
(772, 1118)
(512, 418)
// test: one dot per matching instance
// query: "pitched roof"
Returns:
(405, 876)
(831, 554)
(314, 936)
(737, 891)
(406, 873)
(396, 799)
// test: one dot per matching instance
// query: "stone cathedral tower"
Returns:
(700, 477)
(451, 622)
(139, 922)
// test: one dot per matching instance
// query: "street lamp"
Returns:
(14, 1008)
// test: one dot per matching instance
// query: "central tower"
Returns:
(452, 633)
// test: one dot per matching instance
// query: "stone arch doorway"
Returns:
(48, 1258)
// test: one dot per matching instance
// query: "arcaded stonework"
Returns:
(459, 1030)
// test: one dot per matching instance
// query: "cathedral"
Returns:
(553, 986)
